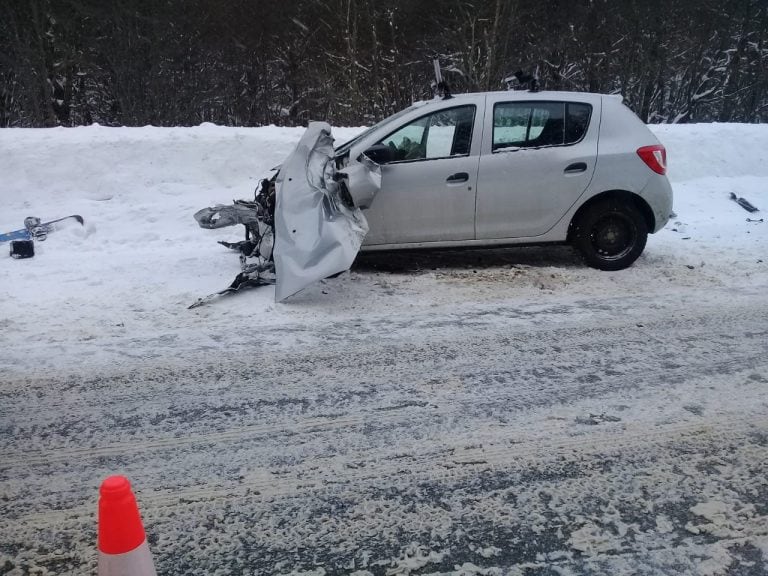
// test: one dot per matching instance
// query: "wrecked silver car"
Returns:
(302, 225)
(470, 170)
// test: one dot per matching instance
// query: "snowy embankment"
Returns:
(141, 259)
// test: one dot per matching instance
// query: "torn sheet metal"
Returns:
(318, 231)
(303, 225)
(219, 216)
(256, 263)
(362, 180)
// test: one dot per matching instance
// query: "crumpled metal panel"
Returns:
(364, 181)
(316, 234)
(220, 215)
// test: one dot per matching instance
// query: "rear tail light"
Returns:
(655, 157)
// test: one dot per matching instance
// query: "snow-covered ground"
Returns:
(471, 413)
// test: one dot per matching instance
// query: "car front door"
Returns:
(428, 188)
(538, 158)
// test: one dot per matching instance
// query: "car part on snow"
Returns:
(247, 279)
(256, 261)
(22, 240)
(22, 249)
(743, 203)
(304, 224)
(34, 229)
(255, 216)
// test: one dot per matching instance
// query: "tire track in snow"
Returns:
(450, 460)
(466, 360)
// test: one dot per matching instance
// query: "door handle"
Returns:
(458, 177)
(575, 167)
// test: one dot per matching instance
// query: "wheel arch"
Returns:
(621, 196)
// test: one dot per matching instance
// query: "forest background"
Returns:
(352, 62)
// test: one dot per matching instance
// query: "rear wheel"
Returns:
(610, 235)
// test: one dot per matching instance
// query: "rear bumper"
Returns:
(658, 194)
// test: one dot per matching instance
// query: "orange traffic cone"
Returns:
(123, 549)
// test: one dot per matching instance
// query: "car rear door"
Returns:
(428, 191)
(538, 157)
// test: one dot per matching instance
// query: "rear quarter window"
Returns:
(576, 121)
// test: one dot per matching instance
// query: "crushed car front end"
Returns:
(303, 224)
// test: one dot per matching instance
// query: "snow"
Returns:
(459, 413)
(141, 257)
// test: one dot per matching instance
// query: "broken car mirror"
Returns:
(380, 153)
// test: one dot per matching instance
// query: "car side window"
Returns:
(537, 124)
(441, 134)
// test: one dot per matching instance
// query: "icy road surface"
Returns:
(498, 412)
(608, 435)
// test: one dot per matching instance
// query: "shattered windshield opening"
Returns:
(344, 148)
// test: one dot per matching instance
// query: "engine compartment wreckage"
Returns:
(302, 225)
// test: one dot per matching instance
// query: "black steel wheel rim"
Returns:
(613, 236)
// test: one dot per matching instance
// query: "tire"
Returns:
(610, 235)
